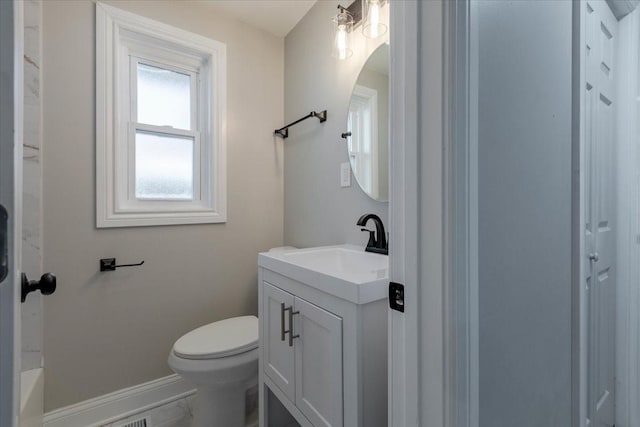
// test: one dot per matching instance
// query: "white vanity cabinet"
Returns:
(278, 355)
(322, 356)
(303, 354)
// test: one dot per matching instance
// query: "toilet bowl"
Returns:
(221, 359)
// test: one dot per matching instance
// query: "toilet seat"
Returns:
(224, 338)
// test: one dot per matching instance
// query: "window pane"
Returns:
(164, 166)
(164, 97)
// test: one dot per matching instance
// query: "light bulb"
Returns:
(374, 19)
(341, 42)
(343, 23)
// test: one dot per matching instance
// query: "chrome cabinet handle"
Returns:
(594, 257)
(4, 243)
(292, 335)
(283, 331)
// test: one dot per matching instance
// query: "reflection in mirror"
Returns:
(368, 126)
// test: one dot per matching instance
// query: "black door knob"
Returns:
(46, 284)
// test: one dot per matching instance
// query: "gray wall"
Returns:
(317, 211)
(106, 331)
(525, 213)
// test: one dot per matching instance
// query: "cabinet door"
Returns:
(278, 356)
(318, 350)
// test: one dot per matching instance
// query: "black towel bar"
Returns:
(283, 132)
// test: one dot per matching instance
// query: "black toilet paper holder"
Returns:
(109, 264)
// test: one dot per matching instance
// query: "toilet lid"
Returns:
(219, 339)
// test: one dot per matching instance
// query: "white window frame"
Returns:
(123, 40)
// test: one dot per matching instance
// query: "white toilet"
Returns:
(221, 359)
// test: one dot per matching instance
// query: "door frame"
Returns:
(457, 346)
(429, 53)
(11, 124)
(462, 191)
(579, 314)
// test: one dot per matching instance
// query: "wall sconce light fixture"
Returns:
(342, 27)
(373, 26)
(366, 12)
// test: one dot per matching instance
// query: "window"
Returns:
(160, 117)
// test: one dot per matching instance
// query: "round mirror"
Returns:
(368, 126)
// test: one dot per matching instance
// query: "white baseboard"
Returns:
(120, 404)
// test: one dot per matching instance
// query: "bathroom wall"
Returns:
(32, 185)
(524, 212)
(317, 211)
(106, 331)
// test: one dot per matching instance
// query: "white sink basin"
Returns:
(343, 262)
(345, 271)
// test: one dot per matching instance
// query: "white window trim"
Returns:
(111, 23)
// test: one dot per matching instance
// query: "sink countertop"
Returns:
(344, 271)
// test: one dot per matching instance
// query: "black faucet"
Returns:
(377, 239)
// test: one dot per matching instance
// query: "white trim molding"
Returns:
(122, 38)
(11, 133)
(120, 404)
(462, 408)
(419, 377)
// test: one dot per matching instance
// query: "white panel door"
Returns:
(318, 348)
(599, 204)
(11, 30)
(278, 354)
